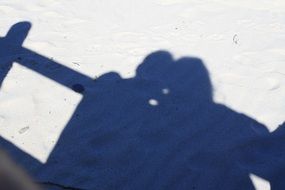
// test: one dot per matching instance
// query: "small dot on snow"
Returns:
(153, 102)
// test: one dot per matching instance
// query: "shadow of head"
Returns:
(186, 77)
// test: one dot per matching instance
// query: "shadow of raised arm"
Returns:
(13, 51)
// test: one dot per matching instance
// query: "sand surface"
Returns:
(152, 94)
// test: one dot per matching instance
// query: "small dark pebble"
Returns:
(78, 88)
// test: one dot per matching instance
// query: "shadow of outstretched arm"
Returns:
(53, 70)
(12, 51)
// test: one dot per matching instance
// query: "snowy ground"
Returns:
(241, 43)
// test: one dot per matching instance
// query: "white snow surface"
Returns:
(241, 43)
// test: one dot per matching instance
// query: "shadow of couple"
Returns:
(157, 130)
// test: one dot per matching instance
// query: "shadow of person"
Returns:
(157, 130)
(120, 140)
